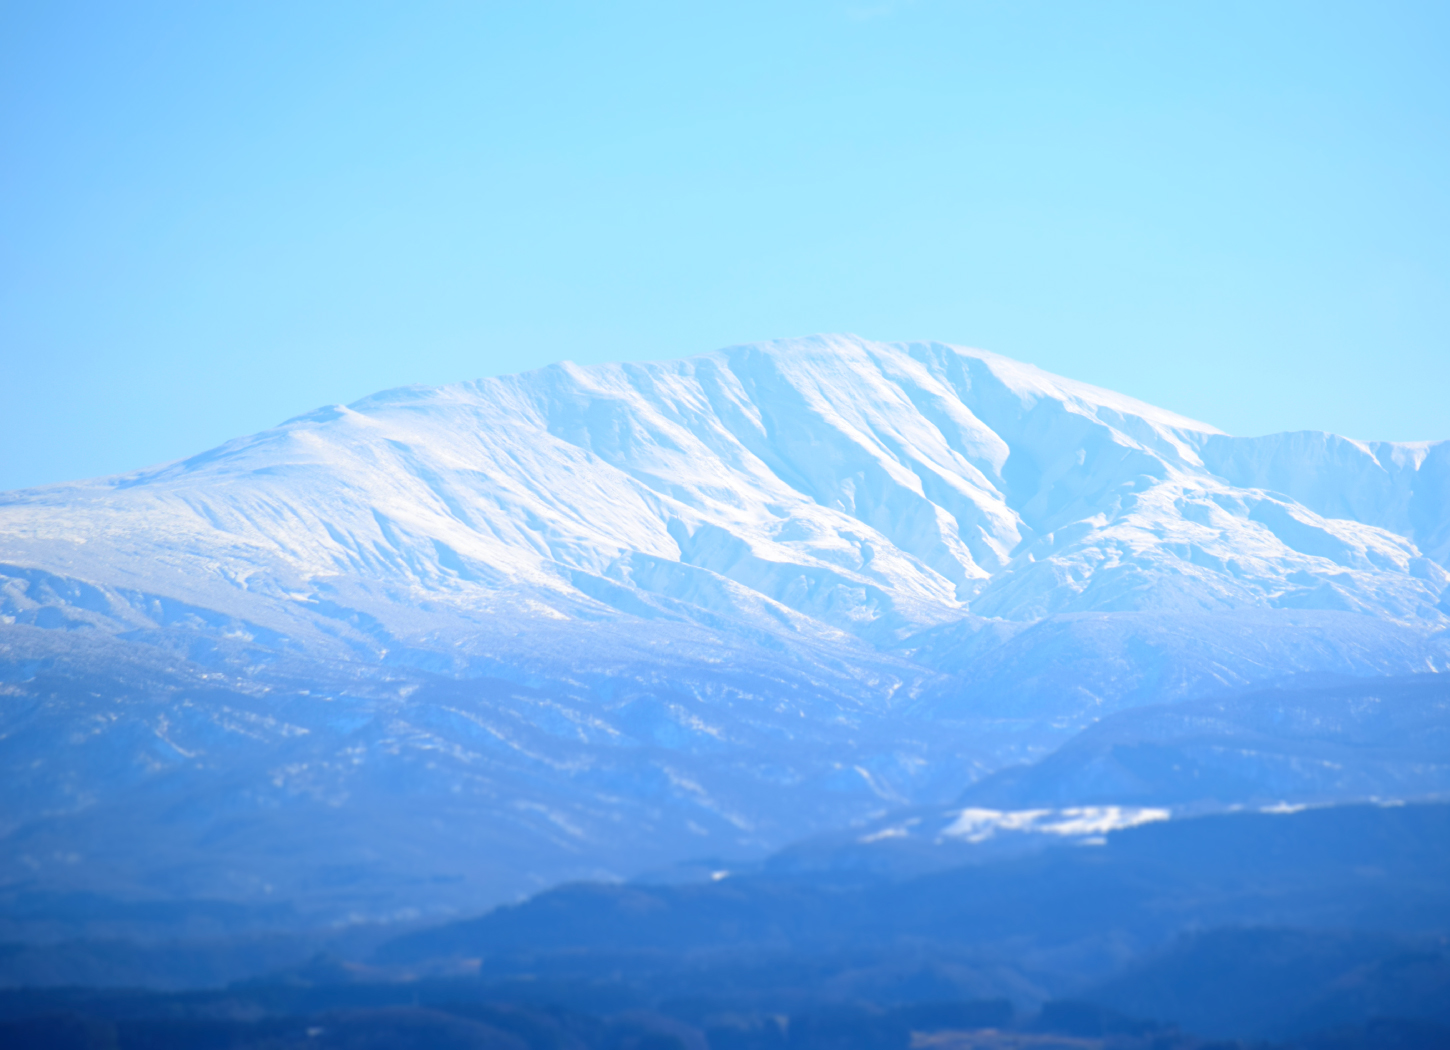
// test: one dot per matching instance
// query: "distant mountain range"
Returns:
(1233, 925)
(1326, 927)
(448, 645)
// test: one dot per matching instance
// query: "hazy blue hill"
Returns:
(1347, 867)
(1277, 983)
(1303, 742)
(1321, 928)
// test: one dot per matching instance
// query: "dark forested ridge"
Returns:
(1323, 928)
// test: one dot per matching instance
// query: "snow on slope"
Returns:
(828, 486)
(1404, 488)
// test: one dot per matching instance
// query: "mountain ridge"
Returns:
(855, 485)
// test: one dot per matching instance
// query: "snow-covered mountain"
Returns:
(816, 486)
(704, 604)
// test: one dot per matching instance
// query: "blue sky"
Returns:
(216, 216)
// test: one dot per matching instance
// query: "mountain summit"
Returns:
(607, 615)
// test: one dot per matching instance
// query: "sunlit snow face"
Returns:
(1081, 822)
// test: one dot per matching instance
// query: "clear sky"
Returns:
(214, 216)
